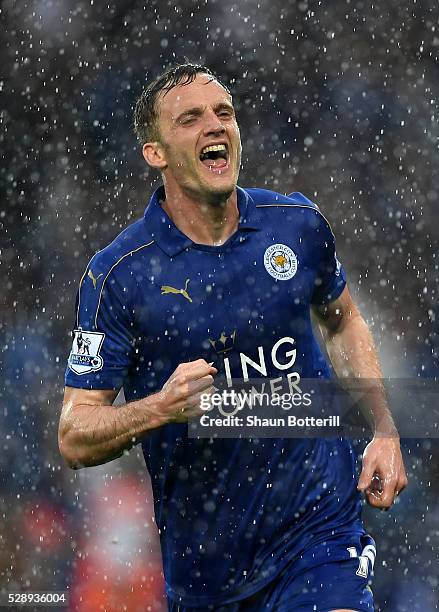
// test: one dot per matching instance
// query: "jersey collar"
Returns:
(172, 241)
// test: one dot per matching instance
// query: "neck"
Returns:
(203, 221)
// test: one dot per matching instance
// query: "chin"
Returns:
(219, 193)
(220, 186)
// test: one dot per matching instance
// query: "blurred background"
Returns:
(338, 100)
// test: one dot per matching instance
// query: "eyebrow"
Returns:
(198, 110)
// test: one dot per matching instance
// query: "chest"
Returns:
(205, 303)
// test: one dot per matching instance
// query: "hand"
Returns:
(180, 396)
(383, 475)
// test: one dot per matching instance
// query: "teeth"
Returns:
(218, 147)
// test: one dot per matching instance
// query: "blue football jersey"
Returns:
(232, 513)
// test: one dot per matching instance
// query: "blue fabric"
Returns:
(232, 513)
(323, 578)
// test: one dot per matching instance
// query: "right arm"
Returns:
(92, 431)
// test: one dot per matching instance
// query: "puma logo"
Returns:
(184, 293)
(93, 279)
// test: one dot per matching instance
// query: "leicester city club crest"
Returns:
(280, 261)
(84, 357)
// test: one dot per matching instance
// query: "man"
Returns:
(245, 524)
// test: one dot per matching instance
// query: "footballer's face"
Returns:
(199, 139)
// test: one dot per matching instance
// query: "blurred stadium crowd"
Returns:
(336, 100)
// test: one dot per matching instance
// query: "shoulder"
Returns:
(133, 240)
(266, 198)
(109, 273)
(293, 207)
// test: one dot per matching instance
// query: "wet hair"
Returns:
(146, 113)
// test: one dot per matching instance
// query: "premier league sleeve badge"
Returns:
(84, 356)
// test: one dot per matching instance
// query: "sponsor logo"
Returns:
(280, 262)
(168, 289)
(94, 279)
(224, 343)
(84, 356)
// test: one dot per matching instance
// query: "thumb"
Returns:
(366, 475)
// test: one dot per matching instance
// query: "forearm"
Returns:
(93, 431)
(354, 357)
(94, 434)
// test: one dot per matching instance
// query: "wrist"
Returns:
(153, 411)
(385, 428)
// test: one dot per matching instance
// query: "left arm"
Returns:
(352, 352)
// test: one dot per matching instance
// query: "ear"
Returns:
(154, 155)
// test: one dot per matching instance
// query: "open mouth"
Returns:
(215, 157)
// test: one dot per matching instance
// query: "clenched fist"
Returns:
(180, 396)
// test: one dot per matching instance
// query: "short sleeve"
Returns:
(330, 277)
(103, 340)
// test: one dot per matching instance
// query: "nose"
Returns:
(213, 124)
